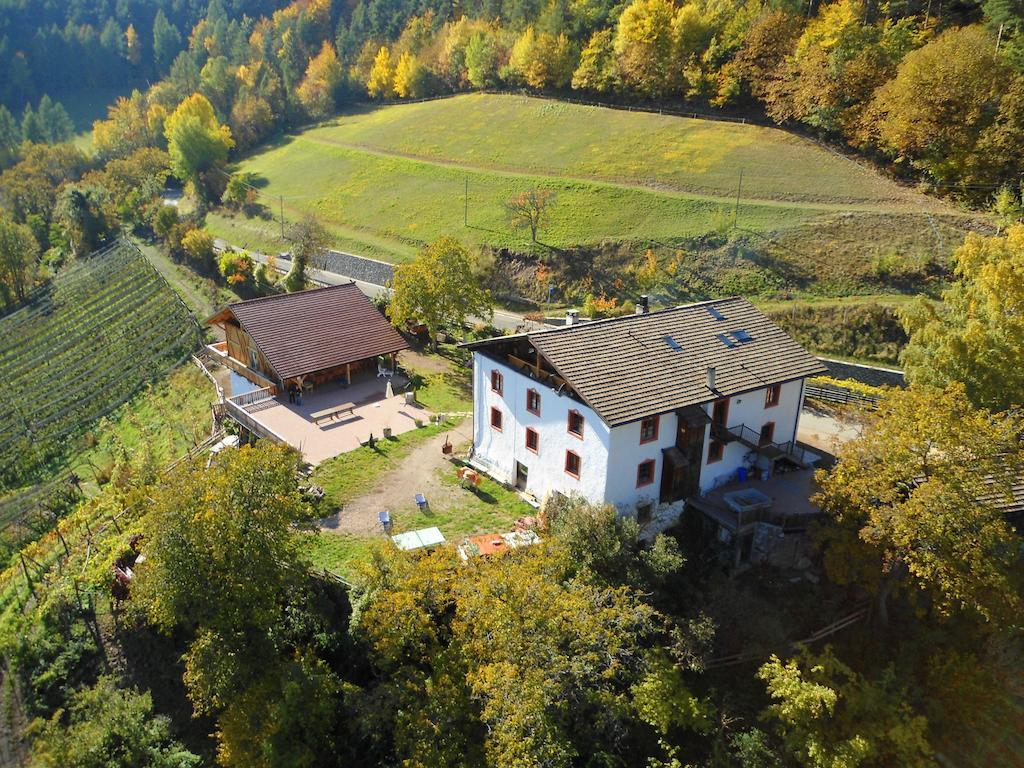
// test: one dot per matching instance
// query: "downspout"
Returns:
(799, 408)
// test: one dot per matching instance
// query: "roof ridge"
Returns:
(272, 297)
(608, 320)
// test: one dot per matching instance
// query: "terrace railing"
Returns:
(247, 420)
(255, 397)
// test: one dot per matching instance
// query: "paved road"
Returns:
(503, 319)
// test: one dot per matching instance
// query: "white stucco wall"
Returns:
(499, 451)
(626, 455)
(610, 457)
(749, 409)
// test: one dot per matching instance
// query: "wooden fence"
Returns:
(829, 393)
(820, 634)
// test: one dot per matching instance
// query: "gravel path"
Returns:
(419, 472)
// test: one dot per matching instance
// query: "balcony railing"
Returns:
(752, 439)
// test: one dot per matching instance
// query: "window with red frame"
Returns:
(576, 423)
(645, 473)
(496, 419)
(572, 464)
(716, 449)
(532, 440)
(767, 434)
(497, 382)
(773, 395)
(649, 429)
(533, 401)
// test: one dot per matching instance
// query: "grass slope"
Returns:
(387, 180)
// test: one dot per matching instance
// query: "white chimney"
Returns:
(643, 306)
(571, 317)
(711, 378)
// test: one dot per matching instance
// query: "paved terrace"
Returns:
(372, 412)
(790, 493)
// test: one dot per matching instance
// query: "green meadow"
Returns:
(387, 180)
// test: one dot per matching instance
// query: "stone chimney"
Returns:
(571, 317)
(643, 305)
(711, 378)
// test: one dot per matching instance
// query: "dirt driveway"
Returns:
(419, 472)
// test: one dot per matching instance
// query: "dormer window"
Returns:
(576, 424)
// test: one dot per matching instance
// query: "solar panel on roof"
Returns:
(726, 340)
(673, 344)
(742, 336)
(713, 311)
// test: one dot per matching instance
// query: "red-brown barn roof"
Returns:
(308, 331)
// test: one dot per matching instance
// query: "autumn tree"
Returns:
(381, 81)
(242, 663)
(644, 48)
(829, 716)
(319, 87)
(529, 209)
(542, 60)
(438, 289)
(941, 99)
(19, 253)
(917, 501)
(308, 240)
(198, 145)
(596, 70)
(86, 216)
(524, 658)
(110, 726)
(132, 123)
(482, 59)
(198, 246)
(975, 335)
(410, 77)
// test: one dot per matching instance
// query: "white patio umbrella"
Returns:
(389, 392)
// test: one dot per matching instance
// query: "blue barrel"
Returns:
(741, 474)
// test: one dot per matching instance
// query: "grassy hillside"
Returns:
(387, 180)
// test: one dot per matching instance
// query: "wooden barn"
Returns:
(307, 338)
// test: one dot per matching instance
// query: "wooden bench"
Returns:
(333, 412)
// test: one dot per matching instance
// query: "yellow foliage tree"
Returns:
(405, 76)
(380, 83)
(323, 75)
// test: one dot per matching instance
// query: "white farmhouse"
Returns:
(642, 411)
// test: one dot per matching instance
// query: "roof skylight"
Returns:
(713, 311)
(724, 338)
(672, 343)
(742, 337)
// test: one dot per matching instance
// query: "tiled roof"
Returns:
(303, 332)
(630, 367)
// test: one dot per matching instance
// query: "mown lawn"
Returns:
(489, 508)
(385, 181)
